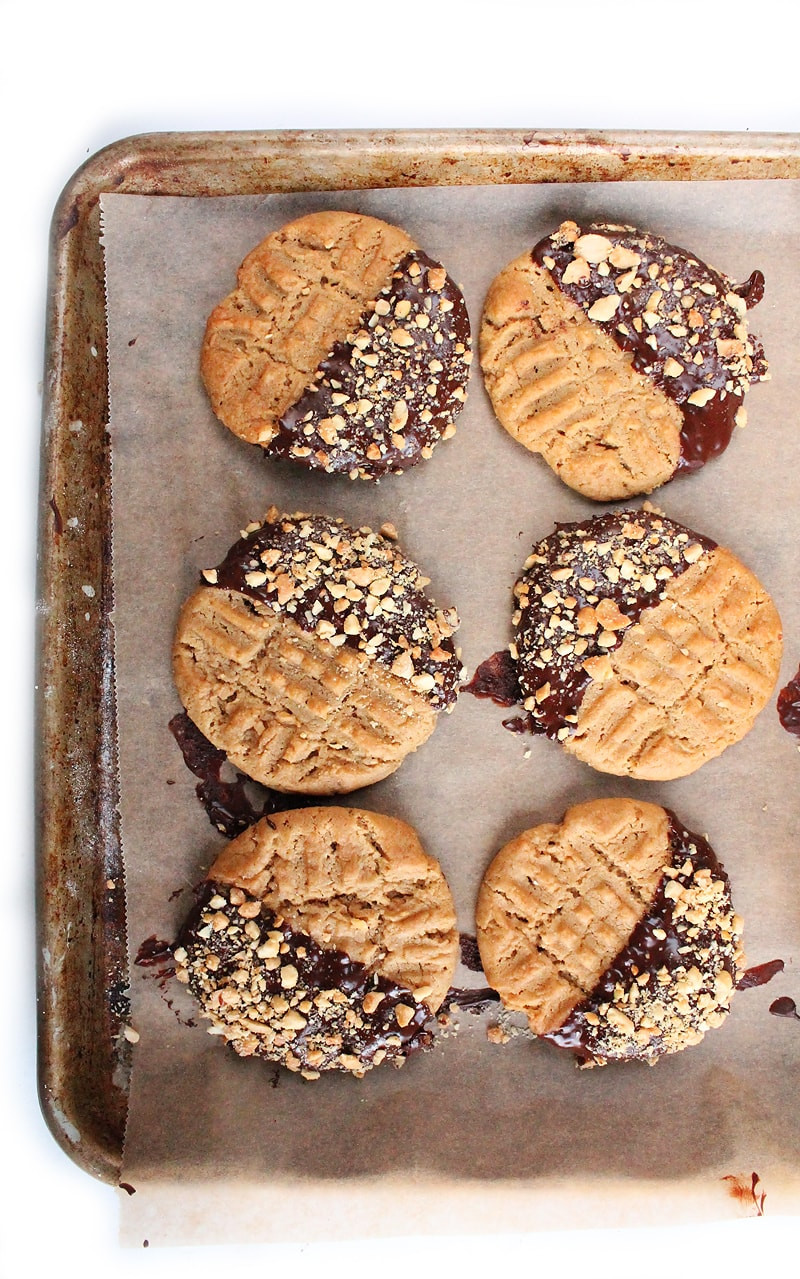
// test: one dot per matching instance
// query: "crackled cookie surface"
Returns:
(642, 646)
(313, 656)
(612, 930)
(324, 939)
(344, 348)
(618, 357)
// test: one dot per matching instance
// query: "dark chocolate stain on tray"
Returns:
(471, 1000)
(496, 679)
(228, 804)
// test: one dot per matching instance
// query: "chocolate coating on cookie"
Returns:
(581, 589)
(683, 322)
(352, 587)
(383, 398)
(674, 979)
(273, 992)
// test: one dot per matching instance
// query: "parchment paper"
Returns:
(472, 1136)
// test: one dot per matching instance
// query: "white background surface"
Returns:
(76, 77)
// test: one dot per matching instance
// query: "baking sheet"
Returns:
(513, 1128)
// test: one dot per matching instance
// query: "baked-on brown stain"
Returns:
(747, 1190)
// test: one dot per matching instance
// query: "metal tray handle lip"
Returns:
(141, 163)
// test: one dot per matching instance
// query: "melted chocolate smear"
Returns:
(227, 803)
(471, 1001)
(707, 314)
(522, 724)
(784, 1007)
(157, 954)
(496, 678)
(470, 955)
(789, 705)
(181, 1020)
(127, 1187)
(645, 951)
(199, 756)
(153, 952)
(760, 974)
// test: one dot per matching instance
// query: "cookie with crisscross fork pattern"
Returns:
(612, 930)
(619, 358)
(344, 347)
(314, 658)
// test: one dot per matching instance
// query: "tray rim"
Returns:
(82, 1068)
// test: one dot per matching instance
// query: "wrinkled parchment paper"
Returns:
(472, 1136)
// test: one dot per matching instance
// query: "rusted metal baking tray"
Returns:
(83, 965)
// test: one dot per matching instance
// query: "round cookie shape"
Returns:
(618, 357)
(344, 348)
(324, 939)
(642, 646)
(612, 930)
(313, 656)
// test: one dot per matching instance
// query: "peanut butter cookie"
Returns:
(324, 939)
(621, 359)
(612, 930)
(641, 646)
(344, 348)
(313, 657)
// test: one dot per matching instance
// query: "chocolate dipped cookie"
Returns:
(642, 647)
(618, 357)
(313, 657)
(324, 939)
(612, 930)
(344, 348)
